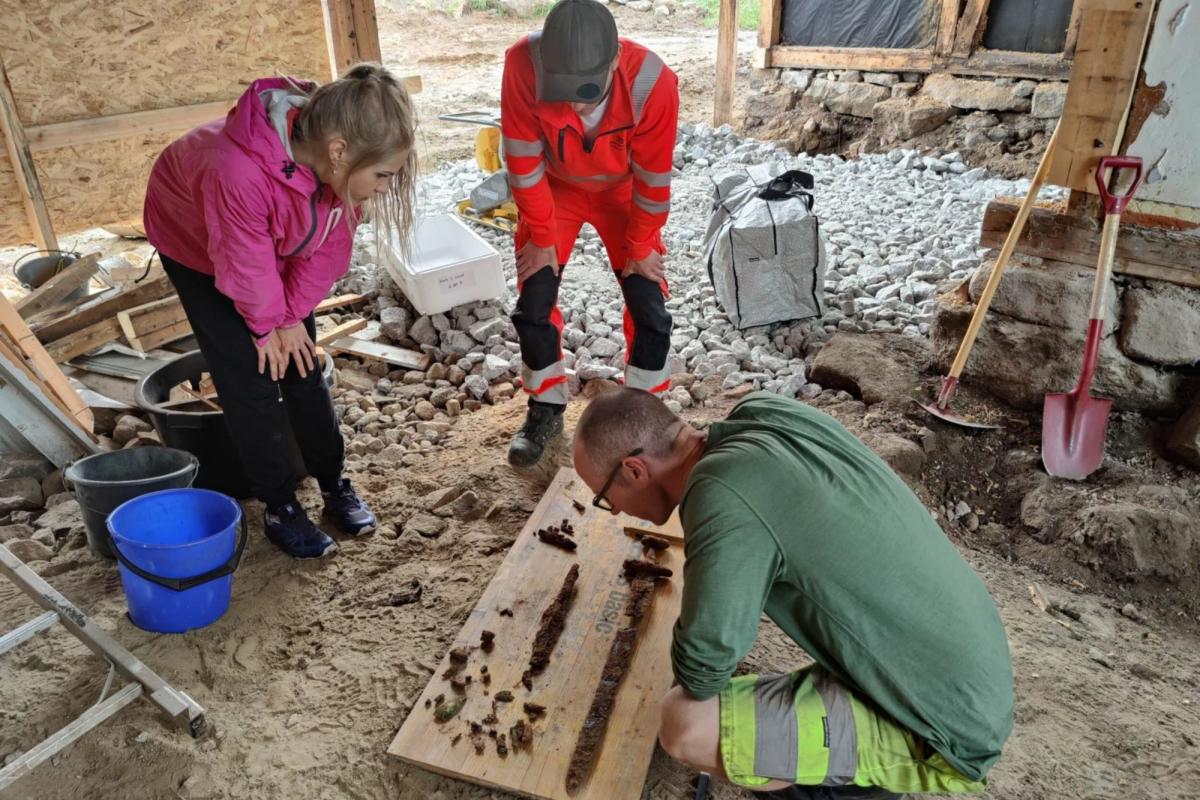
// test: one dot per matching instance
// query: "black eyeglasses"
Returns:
(600, 501)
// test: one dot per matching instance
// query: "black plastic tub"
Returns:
(203, 433)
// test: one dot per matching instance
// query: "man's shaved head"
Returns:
(622, 420)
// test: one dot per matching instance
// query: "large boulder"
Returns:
(1162, 324)
(1184, 437)
(1048, 100)
(903, 119)
(19, 494)
(1021, 362)
(872, 367)
(1054, 294)
(855, 99)
(972, 94)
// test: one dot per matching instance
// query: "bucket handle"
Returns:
(183, 584)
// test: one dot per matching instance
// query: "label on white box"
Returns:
(456, 280)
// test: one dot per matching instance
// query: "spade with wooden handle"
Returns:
(1074, 423)
(941, 408)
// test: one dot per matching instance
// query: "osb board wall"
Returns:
(79, 59)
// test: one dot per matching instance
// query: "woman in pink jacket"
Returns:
(254, 218)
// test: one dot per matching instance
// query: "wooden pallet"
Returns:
(527, 582)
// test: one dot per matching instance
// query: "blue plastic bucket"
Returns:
(177, 550)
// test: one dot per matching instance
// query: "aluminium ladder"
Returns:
(181, 708)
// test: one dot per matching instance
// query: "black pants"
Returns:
(260, 413)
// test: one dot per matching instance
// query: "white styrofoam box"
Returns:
(449, 265)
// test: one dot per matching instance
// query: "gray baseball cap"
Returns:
(578, 44)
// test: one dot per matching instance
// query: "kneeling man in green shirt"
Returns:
(785, 512)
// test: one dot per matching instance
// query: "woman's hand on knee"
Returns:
(271, 356)
(297, 348)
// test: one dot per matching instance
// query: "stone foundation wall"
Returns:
(1032, 340)
(995, 116)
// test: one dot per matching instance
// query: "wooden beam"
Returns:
(152, 340)
(366, 31)
(1112, 37)
(61, 284)
(85, 340)
(727, 29)
(873, 59)
(770, 23)
(140, 321)
(120, 126)
(374, 351)
(1012, 64)
(48, 374)
(1073, 29)
(970, 28)
(947, 26)
(339, 331)
(105, 309)
(339, 301)
(24, 170)
(1075, 238)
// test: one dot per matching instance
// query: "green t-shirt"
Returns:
(788, 513)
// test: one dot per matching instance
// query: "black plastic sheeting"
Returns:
(1029, 26)
(860, 23)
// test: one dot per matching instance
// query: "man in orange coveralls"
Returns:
(589, 122)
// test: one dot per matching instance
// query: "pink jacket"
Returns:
(227, 200)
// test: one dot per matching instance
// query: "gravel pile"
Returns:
(896, 225)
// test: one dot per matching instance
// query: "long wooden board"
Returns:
(376, 351)
(526, 583)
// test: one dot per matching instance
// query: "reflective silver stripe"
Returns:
(652, 178)
(535, 379)
(775, 737)
(597, 178)
(843, 736)
(647, 379)
(521, 147)
(643, 84)
(529, 179)
(649, 206)
(535, 54)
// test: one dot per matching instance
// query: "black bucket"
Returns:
(106, 480)
(33, 272)
(203, 433)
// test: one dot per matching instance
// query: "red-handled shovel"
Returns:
(1074, 423)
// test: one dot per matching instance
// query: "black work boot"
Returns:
(542, 423)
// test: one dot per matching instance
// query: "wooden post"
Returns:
(727, 31)
(351, 33)
(23, 167)
(970, 28)
(770, 24)
(947, 27)
(1108, 53)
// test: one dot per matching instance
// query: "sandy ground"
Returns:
(308, 677)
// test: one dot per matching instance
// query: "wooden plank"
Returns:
(339, 35)
(970, 28)
(105, 308)
(340, 331)
(1112, 37)
(84, 341)
(770, 25)
(120, 126)
(727, 28)
(21, 159)
(874, 59)
(1012, 64)
(147, 318)
(1073, 29)
(339, 301)
(526, 583)
(1051, 233)
(376, 351)
(47, 372)
(947, 26)
(366, 31)
(152, 340)
(59, 286)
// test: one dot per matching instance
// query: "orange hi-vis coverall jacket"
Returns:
(618, 179)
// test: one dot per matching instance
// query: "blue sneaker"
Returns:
(348, 512)
(290, 529)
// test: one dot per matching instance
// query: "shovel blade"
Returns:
(1073, 430)
(947, 414)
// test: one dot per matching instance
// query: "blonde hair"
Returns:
(373, 112)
